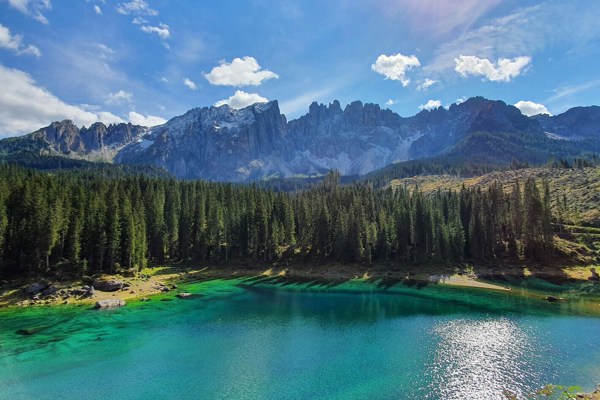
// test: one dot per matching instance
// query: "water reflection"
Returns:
(478, 359)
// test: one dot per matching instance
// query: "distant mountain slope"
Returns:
(257, 142)
(580, 187)
(65, 138)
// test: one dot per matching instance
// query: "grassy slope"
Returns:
(580, 186)
(579, 239)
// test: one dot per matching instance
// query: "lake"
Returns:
(247, 339)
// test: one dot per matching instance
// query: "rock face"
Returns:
(256, 141)
(221, 143)
(217, 143)
(110, 303)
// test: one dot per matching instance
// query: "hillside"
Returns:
(580, 187)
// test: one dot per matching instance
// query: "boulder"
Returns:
(110, 303)
(595, 276)
(553, 299)
(184, 295)
(50, 290)
(108, 285)
(35, 287)
(130, 273)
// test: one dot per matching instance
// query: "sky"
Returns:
(146, 61)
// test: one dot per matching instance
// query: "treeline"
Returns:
(92, 223)
(35, 160)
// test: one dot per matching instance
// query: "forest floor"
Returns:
(163, 279)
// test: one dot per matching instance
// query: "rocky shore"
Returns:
(89, 290)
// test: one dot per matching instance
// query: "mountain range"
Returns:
(256, 142)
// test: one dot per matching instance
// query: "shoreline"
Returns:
(166, 279)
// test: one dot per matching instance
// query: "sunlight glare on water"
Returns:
(479, 359)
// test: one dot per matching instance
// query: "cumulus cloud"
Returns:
(25, 107)
(430, 105)
(119, 97)
(240, 72)
(504, 70)
(147, 120)
(241, 99)
(136, 7)
(530, 108)
(15, 43)
(32, 8)
(162, 30)
(424, 84)
(394, 67)
(461, 100)
(97, 9)
(190, 84)
(390, 102)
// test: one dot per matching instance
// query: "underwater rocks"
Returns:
(110, 303)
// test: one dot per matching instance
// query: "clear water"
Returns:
(352, 341)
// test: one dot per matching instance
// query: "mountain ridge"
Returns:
(257, 142)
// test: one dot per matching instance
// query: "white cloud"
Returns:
(527, 30)
(108, 118)
(394, 67)
(148, 120)
(15, 43)
(568, 91)
(461, 100)
(97, 9)
(240, 72)
(105, 52)
(425, 84)
(434, 18)
(430, 105)
(119, 97)
(530, 108)
(136, 7)
(390, 102)
(139, 21)
(25, 107)
(32, 8)
(241, 99)
(299, 105)
(162, 30)
(164, 79)
(503, 71)
(190, 84)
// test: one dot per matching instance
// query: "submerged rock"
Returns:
(110, 303)
(553, 299)
(184, 295)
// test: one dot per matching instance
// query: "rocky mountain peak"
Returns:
(223, 143)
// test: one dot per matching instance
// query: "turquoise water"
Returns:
(244, 340)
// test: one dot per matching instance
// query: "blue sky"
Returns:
(146, 61)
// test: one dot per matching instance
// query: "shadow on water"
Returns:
(283, 281)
